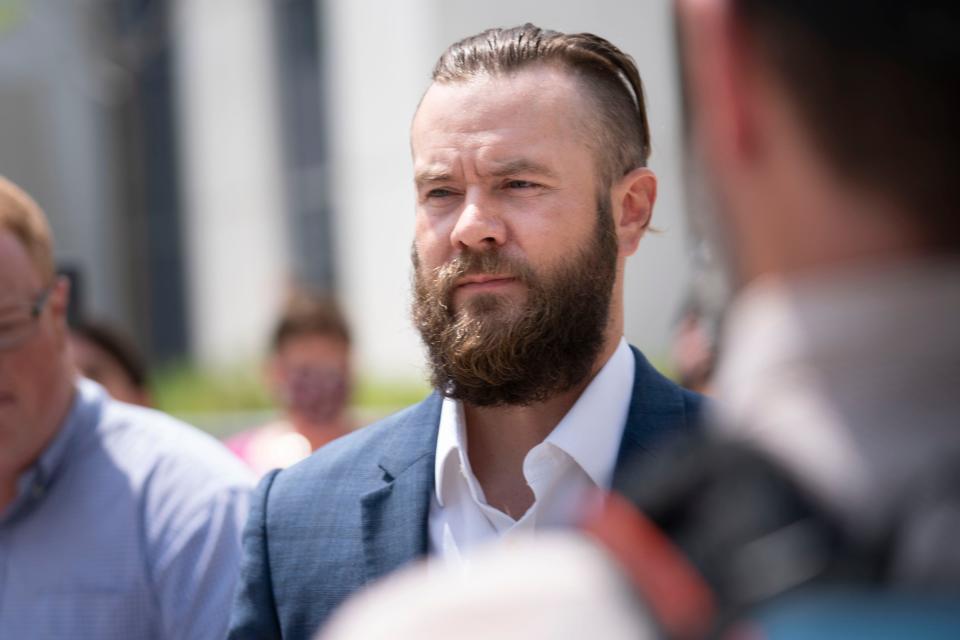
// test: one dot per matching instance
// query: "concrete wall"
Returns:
(57, 92)
(235, 222)
(378, 54)
(378, 59)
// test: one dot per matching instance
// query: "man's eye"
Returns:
(13, 319)
(521, 184)
(11, 326)
(439, 193)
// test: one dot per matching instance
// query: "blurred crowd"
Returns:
(799, 476)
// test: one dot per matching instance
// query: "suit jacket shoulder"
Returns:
(660, 410)
(320, 530)
(346, 467)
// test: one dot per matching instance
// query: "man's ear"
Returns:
(717, 80)
(59, 300)
(633, 198)
(60, 296)
(58, 304)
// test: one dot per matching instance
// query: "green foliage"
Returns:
(11, 13)
(223, 402)
(389, 395)
(183, 389)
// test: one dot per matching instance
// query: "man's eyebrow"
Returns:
(521, 165)
(430, 175)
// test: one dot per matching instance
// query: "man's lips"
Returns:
(483, 281)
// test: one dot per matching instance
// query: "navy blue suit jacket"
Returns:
(357, 509)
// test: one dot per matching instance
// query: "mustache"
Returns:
(469, 263)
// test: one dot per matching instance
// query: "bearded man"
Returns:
(530, 152)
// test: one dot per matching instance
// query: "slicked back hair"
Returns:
(613, 86)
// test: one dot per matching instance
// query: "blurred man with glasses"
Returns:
(115, 521)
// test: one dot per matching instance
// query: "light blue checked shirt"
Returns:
(128, 526)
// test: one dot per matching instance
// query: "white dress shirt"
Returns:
(564, 471)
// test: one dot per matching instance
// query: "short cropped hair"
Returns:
(876, 85)
(610, 76)
(310, 314)
(24, 218)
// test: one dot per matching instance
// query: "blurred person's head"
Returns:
(108, 357)
(36, 375)
(309, 367)
(827, 129)
(529, 150)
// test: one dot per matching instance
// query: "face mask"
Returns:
(318, 394)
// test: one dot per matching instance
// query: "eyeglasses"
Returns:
(19, 321)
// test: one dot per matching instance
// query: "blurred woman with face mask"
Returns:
(308, 373)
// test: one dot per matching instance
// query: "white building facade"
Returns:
(270, 147)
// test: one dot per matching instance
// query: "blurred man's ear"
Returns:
(60, 298)
(717, 79)
(633, 199)
(59, 303)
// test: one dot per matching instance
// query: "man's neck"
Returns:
(499, 439)
(46, 429)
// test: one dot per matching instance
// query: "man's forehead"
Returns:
(527, 94)
(491, 167)
(521, 122)
(17, 272)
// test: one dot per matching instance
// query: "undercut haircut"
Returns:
(877, 85)
(621, 135)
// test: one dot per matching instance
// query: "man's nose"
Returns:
(480, 225)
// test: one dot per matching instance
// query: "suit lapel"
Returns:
(395, 509)
(657, 410)
(394, 512)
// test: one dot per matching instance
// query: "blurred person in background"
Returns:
(827, 133)
(824, 501)
(115, 521)
(694, 348)
(309, 375)
(530, 152)
(106, 356)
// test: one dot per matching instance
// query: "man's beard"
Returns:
(492, 352)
